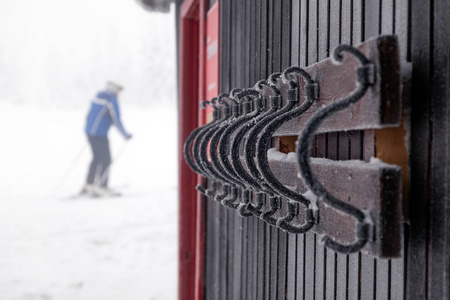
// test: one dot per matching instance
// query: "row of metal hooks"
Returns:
(250, 117)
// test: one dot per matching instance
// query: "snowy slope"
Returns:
(55, 248)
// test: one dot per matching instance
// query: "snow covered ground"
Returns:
(52, 247)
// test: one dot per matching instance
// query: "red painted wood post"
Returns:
(201, 201)
(188, 120)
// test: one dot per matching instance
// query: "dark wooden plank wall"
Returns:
(248, 259)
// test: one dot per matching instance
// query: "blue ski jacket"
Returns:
(103, 113)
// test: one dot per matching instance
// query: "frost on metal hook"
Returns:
(354, 205)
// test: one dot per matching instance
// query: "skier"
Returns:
(104, 112)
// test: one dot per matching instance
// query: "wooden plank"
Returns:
(217, 250)
(252, 229)
(253, 249)
(439, 272)
(419, 156)
(267, 260)
(401, 28)
(378, 108)
(224, 86)
(244, 257)
(273, 62)
(245, 71)
(234, 231)
(383, 278)
(354, 264)
(261, 253)
(343, 154)
(295, 33)
(274, 239)
(321, 149)
(323, 20)
(262, 227)
(397, 290)
(341, 276)
(223, 267)
(335, 21)
(358, 22)
(286, 34)
(387, 16)
(342, 261)
(209, 252)
(295, 262)
(332, 145)
(292, 267)
(230, 252)
(313, 28)
(284, 240)
(282, 265)
(303, 33)
(374, 186)
(354, 259)
(368, 275)
(368, 264)
(372, 26)
(310, 251)
(300, 291)
(310, 239)
(264, 39)
(237, 256)
(356, 141)
(264, 257)
(225, 46)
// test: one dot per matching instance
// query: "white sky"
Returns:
(62, 52)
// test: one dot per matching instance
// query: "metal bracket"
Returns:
(344, 92)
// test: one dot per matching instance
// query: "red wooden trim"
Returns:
(201, 204)
(189, 9)
(188, 120)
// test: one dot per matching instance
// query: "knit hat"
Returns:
(113, 87)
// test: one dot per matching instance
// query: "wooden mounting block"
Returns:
(380, 107)
(374, 187)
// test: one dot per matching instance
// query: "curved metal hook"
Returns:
(365, 78)
(224, 138)
(213, 154)
(192, 136)
(274, 206)
(203, 158)
(274, 78)
(263, 142)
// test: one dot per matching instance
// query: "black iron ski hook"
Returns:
(222, 150)
(214, 145)
(274, 200)
(204, 161)
(311, 93)
(365, 78)
(252, 118)
(248, 181)
(224, 139)
(252, 136)
(197, 143)
(247, 208)
(192, 136)
(245, 117)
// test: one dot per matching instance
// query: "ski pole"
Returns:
(71, 166)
